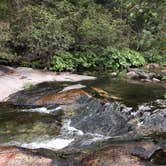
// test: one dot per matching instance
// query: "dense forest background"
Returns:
(74, 34)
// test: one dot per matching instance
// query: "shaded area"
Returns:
(17, 126)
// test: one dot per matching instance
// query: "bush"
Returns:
(41, 33)
(74, 61)
(40, 29)
(27, 85)
(85, 59)
(152, 58)
(63, 61)
(117, 60)
(4, 6)
(133, 58)
(35, 64)
(111, 58)
(5, 37)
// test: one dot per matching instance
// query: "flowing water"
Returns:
(131, 92)
(49, 128)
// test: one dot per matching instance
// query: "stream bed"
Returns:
(76, 117)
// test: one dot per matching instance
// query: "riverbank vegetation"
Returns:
(70, 35)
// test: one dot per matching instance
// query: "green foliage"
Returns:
(115, 59)
(35, 64)
(134, 58)
(77, 60)
(27, 85)
(3, 9)
(5, 36)
(164, 95)
(41, 33)
(164, 78)
(63, 61)
(156, 59)
(70, 34)
(111, 58)
(85, 59)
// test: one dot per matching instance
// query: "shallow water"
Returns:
(131, 92)
(45, 128)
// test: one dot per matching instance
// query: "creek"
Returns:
(105, 110)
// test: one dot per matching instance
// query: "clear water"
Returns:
(42, 127)
(131, 92)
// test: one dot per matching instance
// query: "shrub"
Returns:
(27, 85)
(5, 37)
(116, 59)
(35, 64)
(74, 61)
(85, 59)
(111, 58)
(63, 61)
(134, 58)
(4, 6)
(152, 58)
(41, 33)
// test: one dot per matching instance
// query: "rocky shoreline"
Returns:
(13, 80)
(99, 127)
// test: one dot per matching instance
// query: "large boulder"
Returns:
(132, 75)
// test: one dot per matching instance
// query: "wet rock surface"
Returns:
(83, 126)
(105, 119)
(134, 153)
(144, 76)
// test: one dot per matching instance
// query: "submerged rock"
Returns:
(47, 94)
(67, 97)
(20, 127)
(100, 93)
(98, 116)
(137, 74)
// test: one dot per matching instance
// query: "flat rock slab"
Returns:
(13, 80)
(121, 154)
(10, 156)
(116, 154)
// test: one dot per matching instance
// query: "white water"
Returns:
(55, 144)
(67, 136)
(67, 129)
(42, 110)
